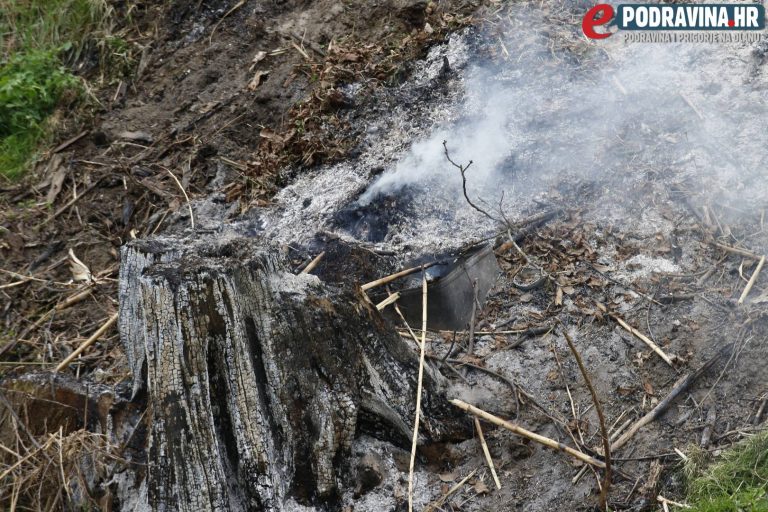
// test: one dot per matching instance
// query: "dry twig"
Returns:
(312, 264)
(189, 205)
(463, 170)
(527, 433)
(683, 385)
(752, 280)
(439, 503)
(601, 419)
(637, 334)
(391, 298)
(487, 453)
(392, 277)
(233, 9)
(418, 389)
(87, 343)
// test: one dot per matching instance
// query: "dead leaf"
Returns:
(59, 170)
(205, 107)
(275, 137)
(80, 271)
(349, 57)
(256, 80)
(559, 296)
(594, 282)
(601, 268)
(625, 390)
(260, 56)
(447, 477)
(481, 488)
(136, 136)
(647, 386)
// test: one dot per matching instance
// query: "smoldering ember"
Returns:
(378, 256)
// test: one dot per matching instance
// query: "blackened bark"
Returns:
(258, 379)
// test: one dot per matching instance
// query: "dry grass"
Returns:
(55, 471)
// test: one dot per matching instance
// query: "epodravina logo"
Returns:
(672, 17)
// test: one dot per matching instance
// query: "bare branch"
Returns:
(600, 417)
(463, 169)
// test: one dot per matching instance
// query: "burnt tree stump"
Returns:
(258, 379)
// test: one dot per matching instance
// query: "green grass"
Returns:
(31, 86)
(736, 481)
(36, 38)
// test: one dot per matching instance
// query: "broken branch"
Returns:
(683, 384)
(752, 280)
(637, 334)
(601, 419)
(487, 453)
(312, 264)
(423, 344)
(527, 433)
(87, 343)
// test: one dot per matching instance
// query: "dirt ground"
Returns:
(644, 207)
(339, 96)
(222, 97)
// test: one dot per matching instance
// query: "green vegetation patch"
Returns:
(31, 85)
(46, 24)
(737, 481)
(33, 36)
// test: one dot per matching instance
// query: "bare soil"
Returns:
(191, 109)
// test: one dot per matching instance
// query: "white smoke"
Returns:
(553, 113)
(543, 115)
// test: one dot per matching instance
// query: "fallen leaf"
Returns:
(260, 56)
(136, 136)
(256, 80)
(205, 107)
(278, 138)
(481, 488)
(447, 477)
(559, 297)
(59, 170)
(80, 271)
(625, 390)
(647, 386)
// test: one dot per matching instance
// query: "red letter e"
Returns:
(598, 15)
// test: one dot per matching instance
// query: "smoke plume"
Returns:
(593, 111)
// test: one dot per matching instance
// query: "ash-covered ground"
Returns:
(654, 153)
